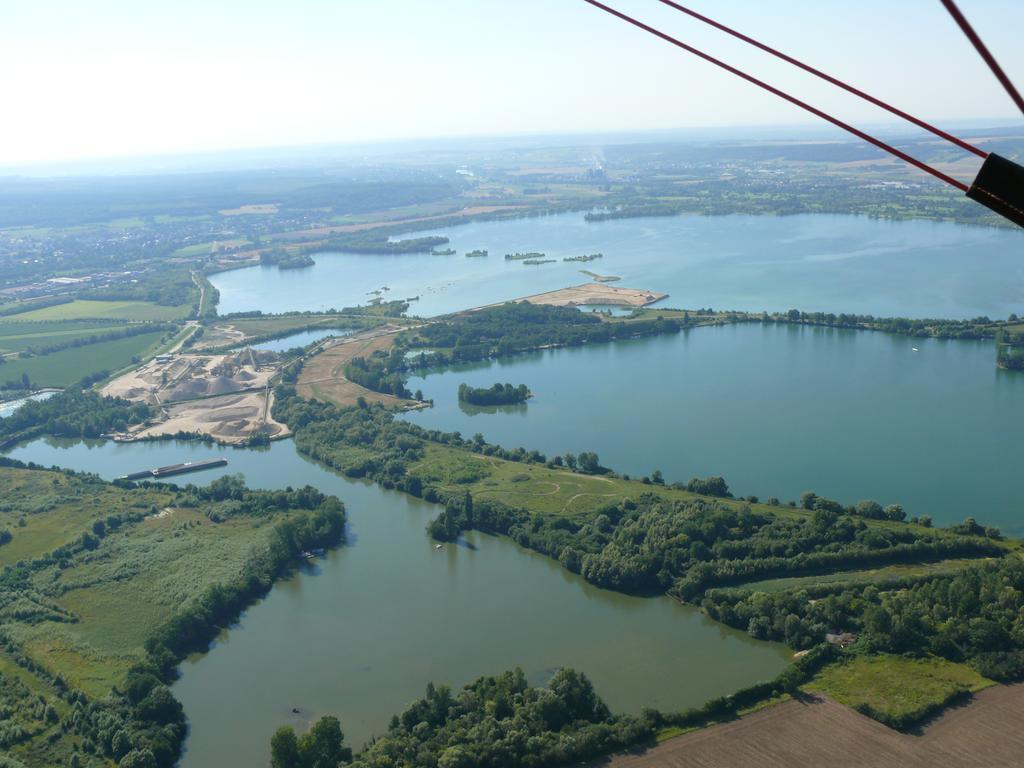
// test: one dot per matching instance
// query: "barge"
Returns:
(175, 469)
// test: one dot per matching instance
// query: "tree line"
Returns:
(498, 394)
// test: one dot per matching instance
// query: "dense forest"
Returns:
(976, 328)
(511, 328)
(280, 258)
(72, 413)
(495, 722)
(498, 394)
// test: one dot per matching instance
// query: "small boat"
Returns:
(914, 349)
(439, 546)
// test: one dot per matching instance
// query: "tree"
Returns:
(138, 758)
(284, 749)
(323, 745)
(589, 462)
(570, 460)
(807, 499)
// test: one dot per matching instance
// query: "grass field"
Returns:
(16, 336)
(47, 511)
(108, 310)
(67, 366)
(89, 615)
(875, 575)
(545, 490)
(894, 689)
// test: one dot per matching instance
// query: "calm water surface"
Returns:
(300, 339)
(813, 262)
(361, 633)
(776, 410)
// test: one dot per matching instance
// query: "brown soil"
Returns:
(323, 375)
(986, 732)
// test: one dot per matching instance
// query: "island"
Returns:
(281, 259)
(499, 394)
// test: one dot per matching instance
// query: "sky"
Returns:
(112, 78)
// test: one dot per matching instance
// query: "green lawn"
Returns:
(16, 336)
(895, 690)
(108, 310)
(63, 368)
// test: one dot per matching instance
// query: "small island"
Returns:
(534, 262)
(585, 258)
(477, 254)
(524, 256)
(281, 259)
(499, 394)
(445, 252)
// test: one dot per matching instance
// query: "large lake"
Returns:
(776, 410)
(361, 633)
(812, 262)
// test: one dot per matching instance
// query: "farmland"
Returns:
(88, 309)
(815, 731)
(63, 368)
(20, 335)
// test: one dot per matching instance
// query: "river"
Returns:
(829, 263)
(360, 633)
(776, 410)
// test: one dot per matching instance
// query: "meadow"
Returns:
(896, 690)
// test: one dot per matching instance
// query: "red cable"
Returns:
(983, 50)
(782, 94)
(828, 78)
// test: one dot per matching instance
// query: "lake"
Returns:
(776, 410)
(361, 632)
(817, 262)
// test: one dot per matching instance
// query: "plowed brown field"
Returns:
(985, 732)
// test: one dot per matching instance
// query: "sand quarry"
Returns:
(600, 294)
(227, 397)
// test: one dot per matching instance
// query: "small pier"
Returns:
(175, 469)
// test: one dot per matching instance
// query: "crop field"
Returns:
(87, 309)
(812, 732)
(874, 575)
(894, 689)
(17, 336)
(67, 366)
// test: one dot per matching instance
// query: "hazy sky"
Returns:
(94, 78)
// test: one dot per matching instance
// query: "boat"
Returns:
(439, 546)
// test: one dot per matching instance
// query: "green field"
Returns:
(19, 335)
(897, 691)
(545, 490)
(86, 612)
(871, 575)
(80, 309)
(67, 366)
